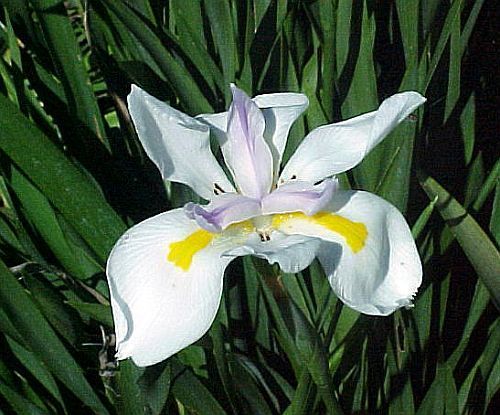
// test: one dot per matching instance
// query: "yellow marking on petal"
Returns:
(354, 233)
(244, 227)
(181, 253)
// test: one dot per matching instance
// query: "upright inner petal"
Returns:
(248, 155)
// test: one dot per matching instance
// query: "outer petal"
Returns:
(224, 210)
(179, 145)
(376, 278)
(280, 111)
(293, 253)
(158, 307)
(246, 152)
(335, 148)
(297, 196)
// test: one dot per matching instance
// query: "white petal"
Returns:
(335, 148)
(179, 145)
(158, 306)
(373, 273)
(246, 153)
(280, 112)
(292, 253)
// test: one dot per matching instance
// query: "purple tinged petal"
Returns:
(299, 196)
(248, 155)
(224, 210)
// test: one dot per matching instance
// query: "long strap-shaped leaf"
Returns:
(181, 81)
(63, 47)
(477, 246)
(41, 339)
(64, 184)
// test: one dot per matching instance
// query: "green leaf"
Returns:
(177, 75)
(67, 58)
(476, 245)
(39, 212)
(21, 405)
(468, 127)
(224, 36)
(303, 397)
(453, 90)
(128, 400)
(154, 384)
(51, 303)
(442, 397)
(98, 312)
(42, 340)
(313, 356)
(192, 393)
(221, 361)
(191, 39)
(424, 217)
(37, 369)
(259, 317)
(495, 215)
(64, 184)
(487, 187)
(248, 388)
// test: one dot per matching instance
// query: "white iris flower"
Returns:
(165, 274)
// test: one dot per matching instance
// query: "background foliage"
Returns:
(74, 176)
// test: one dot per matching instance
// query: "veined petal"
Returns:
(223, 211)
(165, 278)
(335, 148)
(368, 252)
(179, 145)
(299, 196)
(280, 112)
(246, 152)
(292, 253)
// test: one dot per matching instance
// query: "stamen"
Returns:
(218, 190)
(264, 236)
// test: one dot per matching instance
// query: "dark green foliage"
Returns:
(73, 176)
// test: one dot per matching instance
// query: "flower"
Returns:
(165, 274)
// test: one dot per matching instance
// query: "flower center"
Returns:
(263, 223)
